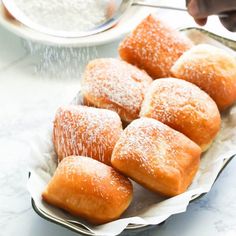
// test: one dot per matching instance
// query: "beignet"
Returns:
(86, 131)
(184, 107)
(89, 189)
(154, 46)
(114, 84)
(156, 156)
(212, 69)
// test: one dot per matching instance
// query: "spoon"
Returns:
(119, 7)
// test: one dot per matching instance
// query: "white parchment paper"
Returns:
(147, 208)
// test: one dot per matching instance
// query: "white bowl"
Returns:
(130, 19)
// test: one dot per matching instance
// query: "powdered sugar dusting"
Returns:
(184, 107)
(212, 69)
(59, 62)
(116, 82)
(154, 47)
(153, 147)
(146, 142)
(80, 130)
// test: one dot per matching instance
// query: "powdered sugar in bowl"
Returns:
(129, 20)
(74, 18)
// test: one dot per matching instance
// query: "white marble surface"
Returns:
(28, 99)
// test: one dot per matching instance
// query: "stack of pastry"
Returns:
(171, 121)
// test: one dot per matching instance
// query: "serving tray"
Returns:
(80, 227)
(131, 227)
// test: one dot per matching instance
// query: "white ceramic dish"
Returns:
(130, 19)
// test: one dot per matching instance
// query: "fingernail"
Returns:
(193, 8)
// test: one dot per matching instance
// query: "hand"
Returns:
(201, 9)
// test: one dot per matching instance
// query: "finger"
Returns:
(230, 21)
(187, 2)
(201, 22)
(202, 8)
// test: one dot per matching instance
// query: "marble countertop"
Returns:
(31, 89)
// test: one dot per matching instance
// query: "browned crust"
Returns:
(211, 69)
(89, 189)
(156, 156)
(185, 108)
(154, 47)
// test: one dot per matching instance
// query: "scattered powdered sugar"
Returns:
(59, 62)
(212, 69)
(184, 107)
(168, 99)
(154, 46)
(117, 82)
(151, 145)
(65, 15)
(86, 131)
